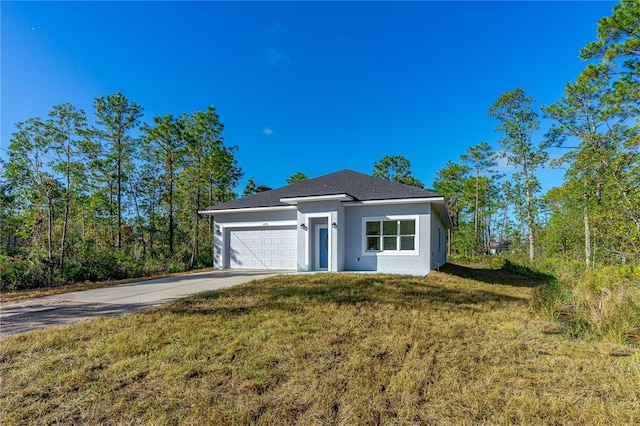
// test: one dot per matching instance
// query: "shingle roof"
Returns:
(358, 185)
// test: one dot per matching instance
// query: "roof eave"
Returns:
(310, 198)
(395, 201)
(212, 212)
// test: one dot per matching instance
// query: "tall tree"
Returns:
(450, 182)
(250, 187)
(253, 188)
(481, 159)
(517, 123)
(618, 48)
(118, 118)
(507, 193)
(297, 177)
(209, 164)
(396, 168)
(599, 162)
(598, 113)
(67, 127)
(33, 184)
(166, 145)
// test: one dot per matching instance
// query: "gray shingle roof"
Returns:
(358, 185)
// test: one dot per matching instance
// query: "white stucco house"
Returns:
(343, 221)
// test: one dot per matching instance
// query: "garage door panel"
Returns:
(263, 248)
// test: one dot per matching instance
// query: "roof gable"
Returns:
(359, 186)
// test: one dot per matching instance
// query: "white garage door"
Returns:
(263, 248)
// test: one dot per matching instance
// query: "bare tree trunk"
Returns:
(50, 232)
(475, 217)
(152, 223)
(65, 222)
(209, 218)
(119, 198)
(587, 239)
(504, 221)
(170, 184)
(196, 225)
(111, 213)
(527, 189)
(488, 244)
(82, 223)
(138, 219)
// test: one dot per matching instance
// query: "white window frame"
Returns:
(397, 252)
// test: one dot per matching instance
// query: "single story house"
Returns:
(343, 221)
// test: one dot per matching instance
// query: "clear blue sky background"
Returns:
(312, 87)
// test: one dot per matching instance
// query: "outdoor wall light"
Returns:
(303, 227)
(334, 225)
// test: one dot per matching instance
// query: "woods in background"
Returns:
(594, 216)
(114, 199)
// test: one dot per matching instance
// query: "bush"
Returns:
(601, 304)
(21, 274)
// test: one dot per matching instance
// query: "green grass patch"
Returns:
(459, 346)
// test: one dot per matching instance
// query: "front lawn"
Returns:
(459, 346)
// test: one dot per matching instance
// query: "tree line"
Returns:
(594, 216)
(114, 198)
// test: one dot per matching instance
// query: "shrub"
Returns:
(19, 274)
(599, 304)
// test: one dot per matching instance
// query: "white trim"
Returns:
(334, 197)
(225, 261)
(414, 252)
(394, 201)
(246, 210)
(316, 249)
(307, 242)
(229, 230)
(258, 224)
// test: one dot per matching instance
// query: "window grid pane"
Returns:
(373, 243)
(407, 227)
(373, 228)
(390, 227)
(390, 243)
(407, 243)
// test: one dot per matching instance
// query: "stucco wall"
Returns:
(225, 221)
(414, 264)
(438, 241)
(346, 239)
(311, 214)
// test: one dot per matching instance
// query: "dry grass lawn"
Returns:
(457, 347)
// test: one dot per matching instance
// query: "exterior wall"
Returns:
(225, 221)
(398, 263)
(346, 239)
(341, 243)
(438, 241)
(310, 214)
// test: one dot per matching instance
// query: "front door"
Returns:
(322, 248)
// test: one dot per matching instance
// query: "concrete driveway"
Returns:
(68, 308)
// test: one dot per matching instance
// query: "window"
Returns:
(390, 235)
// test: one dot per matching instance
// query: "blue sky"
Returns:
(301, 86)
